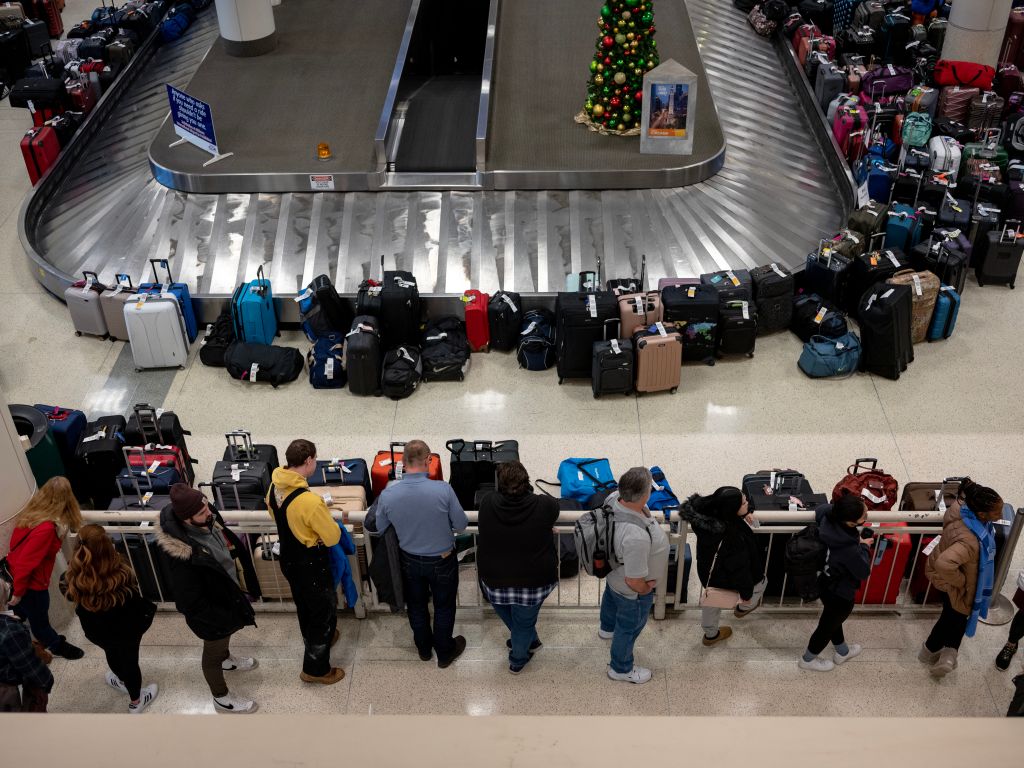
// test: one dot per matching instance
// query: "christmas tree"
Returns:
(626, 49)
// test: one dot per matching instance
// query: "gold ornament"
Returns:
(630, 35)
(598, 110)
(598, 79)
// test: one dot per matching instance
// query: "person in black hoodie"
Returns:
(725, 541)
(211, 573)
(517, 559)
(847, 565)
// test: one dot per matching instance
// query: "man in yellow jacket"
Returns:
(306, 531)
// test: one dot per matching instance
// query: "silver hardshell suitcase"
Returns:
(156, 331)
(84, 305)
(112, 301)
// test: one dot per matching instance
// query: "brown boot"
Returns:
(723, 634)
(332, 677)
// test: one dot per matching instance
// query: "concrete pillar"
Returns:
(975, 31)
(247, 26)
(15, 475)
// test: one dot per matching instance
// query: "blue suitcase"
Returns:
(67, 427)
(159, 481)
(342, 472)
(947, 307)
(252, 311)
(324, 361)
(178, 290)
(902, 230)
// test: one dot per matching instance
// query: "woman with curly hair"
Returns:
(39, 531)
(113, 613)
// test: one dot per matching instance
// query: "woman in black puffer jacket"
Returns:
(725, 539)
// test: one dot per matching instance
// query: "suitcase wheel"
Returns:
(559, 380)
(750, 354)
(596, 396)
(672, 391)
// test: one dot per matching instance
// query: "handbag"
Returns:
(716, 597)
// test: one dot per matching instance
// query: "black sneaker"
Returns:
(426, 656)
(535, 646)
(1005, 655)
(68, 651)
(460, 646)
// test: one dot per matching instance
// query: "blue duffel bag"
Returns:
(824, 358)
(586, 481)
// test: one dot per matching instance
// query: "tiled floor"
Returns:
(956, 411)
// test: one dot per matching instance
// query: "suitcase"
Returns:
(890, 554)
(401, 372)
(1001, 258)
(177, 290)
(84, 305)
(943, 258)
(505, 318)
(49, 13)
(902, 231)
(737, 328)
(813, 316)
(869, 219)
(869, 13)
(112, 302)
(828, 83)
(322, 310)
(150, 425)
(273, 584)
(613, 367)
(148, 561)
(659, 358)
(582, 282)
(387, 466)
(581, 319)
(886, 343)
(871, 268)
(477, 328)
(154, 454)
(44, 93)
(37, 36)
(15, 56)
(848, 243)
(156, 332)
(774, 287)
(731, 285)
(1014, 36)
(955, 102)
(40, 148)
(825, 274)
(947, 307)
(473, 466)
(695, 310)
(685, 282)
(240, 447)
(325, 362)
(157, 481)
(99, 456)
(67, 427)
(241, 484)
(363, 356)
(638, 310)
(337, 471)
(924, 288)
(252, 308)
(986, 111)
(399, 309)
(921, 98)
(343, 498)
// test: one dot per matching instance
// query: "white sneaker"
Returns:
(146, 697)
(115, 682)
(240, 663)
(605, 635)
(854, 650)
(234, 705)
(817, 664)
(638, 675)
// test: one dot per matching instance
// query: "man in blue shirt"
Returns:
(425, 513)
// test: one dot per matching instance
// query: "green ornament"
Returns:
(606, 90)
(612, 122)
(619, 62)
(620, 38)
(627, 117)
(647, 18)
(593, 66)
(632, 3)
(605, 11)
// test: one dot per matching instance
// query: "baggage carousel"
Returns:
(101, 208)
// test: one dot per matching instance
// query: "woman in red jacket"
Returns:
(39, 530)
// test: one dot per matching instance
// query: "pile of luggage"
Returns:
(61, 82)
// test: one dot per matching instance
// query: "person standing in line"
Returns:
(425, 513)
(848, 564)
(1016, 629)
(306, 532)
(38, 534)
(962, 568)
(517, 558)
(210, 577)
(641, 557)
(112, 610)
(20, 664)
(728, 556)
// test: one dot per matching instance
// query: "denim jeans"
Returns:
(627, 619)
(521, 621)
(423, 578)
(35, 606)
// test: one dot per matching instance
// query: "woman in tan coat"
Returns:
(964, 555)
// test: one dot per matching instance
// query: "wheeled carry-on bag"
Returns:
(252, 308)
(659, 358)
(581, 319)
(337, 471)
(890, 554)
(613, 370)
(156, 331)
(732, 284)
(1001, 260)
(85, 305)
(825, 274)
(737, 328)
(885, 317)
(474, 463)
(505, 318)
(774, 287)
(638, 310)
(400, 309)
(924, 287)
(388, 465)
(240, 447)
(100, 458)
(363, 356)
(178, 290)
(947, 307)
(478, 330)
(242, 484)
(695, 310)
(112, 303)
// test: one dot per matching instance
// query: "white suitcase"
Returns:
(945, 154)
(84, 305)
(112, 301)
(156, 331)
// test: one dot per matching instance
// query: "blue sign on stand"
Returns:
(193, 121)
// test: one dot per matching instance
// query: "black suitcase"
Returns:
(14, 55)
(240, 447)
(955, 212)
(731, 285)
(774, 287)
(886, 343)
(694, 308)
(825, 274)
(363, 356)
(945, 259)
(145, 427)
(582, 319)
(241, 484)
(473, 466)
(612, 368)
(38, 37)
(399, 310)
(334, 314)
(445, 350)
(870, 268)
(42, 92)
(813, 316)
(737, 328)
(149, 563)
(100, 457)
(505, 320)
(402, 372)
(999, 262)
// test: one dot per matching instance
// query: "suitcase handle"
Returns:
(243, 437)
(217, 489)
(392, 445)
(122, 278)
(164, 264)
(867, 464)
(96, 278)
(145, 414)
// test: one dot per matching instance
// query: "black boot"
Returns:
(66, 650)
(1005, 655)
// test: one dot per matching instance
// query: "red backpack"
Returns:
(877, 488)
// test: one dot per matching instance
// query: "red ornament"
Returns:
(607, 42)
(607, 61)
(616, 102)
(638, 96)
(626, 89)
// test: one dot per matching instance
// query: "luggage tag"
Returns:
(746, 310)
(940, 500)
(527, 331)
(874, 259)
(661, 328)
(822, 311)
(776, 270)
(930, 546)
(732, 277)
(141, 299)
(870, 301)
(153, 467)
(892, 258)
(691, 291)
(917, 284)
(592, 305)
(253, 369)
(329, 368)
(510, 303)
(888, 293)
(101, 435)
(146, 498)
(615, 347)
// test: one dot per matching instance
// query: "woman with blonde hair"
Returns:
(39, 531)
(113, 613)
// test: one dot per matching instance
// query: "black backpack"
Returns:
(805, 558)
(218, 338)
(505, 318)
(445, 352)
(262, 362)
(402, 372)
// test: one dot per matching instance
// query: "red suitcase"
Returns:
(82, 96)
(40, 148)
(477, 328)
(384, 463)
(1013, 38)
(161, 455)
(49, 11)
(890, 555)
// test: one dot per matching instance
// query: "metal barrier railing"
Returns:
(901, 543)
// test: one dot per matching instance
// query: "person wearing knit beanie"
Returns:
(186, 501)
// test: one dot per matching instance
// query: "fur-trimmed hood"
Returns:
(172, 537)
(700, 521)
